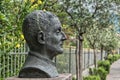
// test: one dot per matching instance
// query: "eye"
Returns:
(58, 30)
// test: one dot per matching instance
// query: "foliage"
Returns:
(110, 58)
(100, 71)
(93, 71)
(12, 14)
(91, 17)
(116, 57)
(113, 57)
(110, 41)
(105, 64)
(62, 63)
(93, 77)
(74, 77)
(85, 14)
(10, 64)
(81, 16)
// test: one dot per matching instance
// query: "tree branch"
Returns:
(74, 24)
(96, 8)
(53, 2)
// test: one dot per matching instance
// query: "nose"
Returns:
(64, 37)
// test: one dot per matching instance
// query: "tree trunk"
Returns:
(77, 64)
(101, 52)
(80, 56)
(95, 62)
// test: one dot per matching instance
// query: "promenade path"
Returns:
(114, 71)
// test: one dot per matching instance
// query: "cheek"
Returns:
(54, 40)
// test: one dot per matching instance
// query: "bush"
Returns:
(93, 71)
(93, 77)
(113, 57)
(102, 73)
(116, 57)
(103, 68)
(105, 64)
(74, 77)
(90, 71)
(110, 58)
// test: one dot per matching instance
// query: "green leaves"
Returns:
(3, 17)
(12, 14)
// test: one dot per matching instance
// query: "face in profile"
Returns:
(43, 33)
(55, 37)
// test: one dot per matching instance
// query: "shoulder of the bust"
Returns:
(34, 63)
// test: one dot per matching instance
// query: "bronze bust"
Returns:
(44, 36)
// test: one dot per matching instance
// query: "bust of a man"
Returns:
(44, 36)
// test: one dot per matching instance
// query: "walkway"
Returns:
(114, 71)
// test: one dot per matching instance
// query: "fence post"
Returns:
(84, 57)
(70, 59)
(88, 57)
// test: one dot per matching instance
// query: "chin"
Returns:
(60, 51)
(56, 50)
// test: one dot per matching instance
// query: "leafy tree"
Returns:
(93, 38)
(12, 13)
(83, 14)
(112, 41)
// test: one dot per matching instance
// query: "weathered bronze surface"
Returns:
(60, 77)
(44, 36)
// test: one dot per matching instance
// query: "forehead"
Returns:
(54, 23)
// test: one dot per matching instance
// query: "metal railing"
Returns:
(11, 63)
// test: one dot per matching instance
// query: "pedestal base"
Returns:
(60, 77)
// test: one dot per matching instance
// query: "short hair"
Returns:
(33, 23)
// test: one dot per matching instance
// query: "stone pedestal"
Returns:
(60, 77)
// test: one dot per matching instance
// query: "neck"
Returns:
(44, 52)
(41, 55)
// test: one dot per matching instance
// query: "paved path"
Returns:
(114, 71)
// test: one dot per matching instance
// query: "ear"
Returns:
(41, 37)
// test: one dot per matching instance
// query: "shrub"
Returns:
(102, 73)
(74, 77)
(93, 71)
(116, 57)
(110, 58)
(105, 64)
(103, 68)
(113, 57)
(93, 77)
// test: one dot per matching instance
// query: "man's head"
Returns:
(42, 31)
